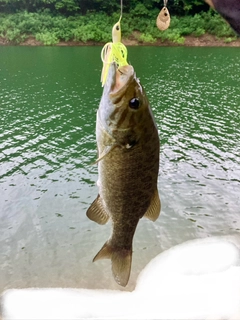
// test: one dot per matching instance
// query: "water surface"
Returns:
(48, 102)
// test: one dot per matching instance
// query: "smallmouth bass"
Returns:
(128, 164)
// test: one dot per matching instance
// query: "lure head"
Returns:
(116, 32)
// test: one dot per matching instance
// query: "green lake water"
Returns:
(48, 102)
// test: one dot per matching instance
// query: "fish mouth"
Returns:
(118, 79)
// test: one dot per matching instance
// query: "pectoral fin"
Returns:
(105, 152)
(154, 209)
(96, 212)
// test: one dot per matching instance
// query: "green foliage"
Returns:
(140, 23)
(67, 6)
(90, 32)
(230, 39)
(15, 36)
(147, 38)
(93, 27)
(188, 5)
(198, 32)
(216, 26)
(173, 35)
(47, 38)
(140, 10)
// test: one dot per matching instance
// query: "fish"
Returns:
(128, 165)
(229, 10)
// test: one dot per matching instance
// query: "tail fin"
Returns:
(121, 261)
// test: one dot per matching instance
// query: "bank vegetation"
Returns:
(52, 21)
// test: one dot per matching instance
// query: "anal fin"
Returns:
(154, 208)
(96, 212)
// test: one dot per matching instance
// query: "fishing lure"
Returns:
(114, 51)
(163, 18)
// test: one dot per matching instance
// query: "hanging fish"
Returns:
(163, 18)
(128, 164)
(128, 157)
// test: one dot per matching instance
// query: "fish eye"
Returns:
(134, 103)
(117, 27)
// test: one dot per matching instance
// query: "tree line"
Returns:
(52, 21)
(72, 7)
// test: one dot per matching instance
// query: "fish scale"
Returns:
(128, 164)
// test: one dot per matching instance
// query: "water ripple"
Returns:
(47, 145)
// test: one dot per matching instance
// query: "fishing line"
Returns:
(121, 12)
(165, 2)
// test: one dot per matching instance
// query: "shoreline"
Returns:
(206, 40)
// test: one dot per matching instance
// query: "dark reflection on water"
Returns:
(49, 98)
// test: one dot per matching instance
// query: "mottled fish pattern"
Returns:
(128, 164)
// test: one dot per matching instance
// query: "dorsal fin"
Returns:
(154, 208)
(96, 212)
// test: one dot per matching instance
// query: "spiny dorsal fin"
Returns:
(96, 212)
(121, 261)
(153, 210)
